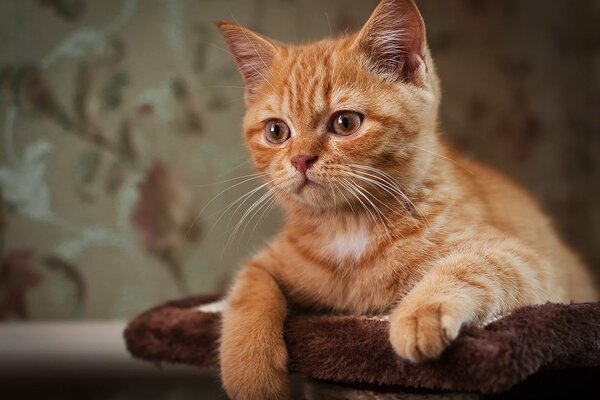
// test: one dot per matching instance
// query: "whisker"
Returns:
(382, 178)
(380, 185)
(233, 169)
(257, 203)
(444, 157)
(377, 210)
(332, 192)
(241, 204)
(347, 201)
(270, 203)
(253, 176)
(385, 177)
(384, 204)
(389, 187)
(351, 188)
(396, 187)
(225, 86)
(221, 193)
(329, 25)
(242, 198)
(269, 195)
(335, 185)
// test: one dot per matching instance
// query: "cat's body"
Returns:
(348, 264)
(381, 217)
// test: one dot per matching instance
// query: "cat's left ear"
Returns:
(253, 54)
(394, 40)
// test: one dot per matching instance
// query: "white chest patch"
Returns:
(348, 245)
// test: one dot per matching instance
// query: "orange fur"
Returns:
(393, 221)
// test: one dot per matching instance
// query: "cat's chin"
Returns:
(309, 191)
(312, 193)
(308, 184)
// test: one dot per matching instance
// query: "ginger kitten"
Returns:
(381, 216)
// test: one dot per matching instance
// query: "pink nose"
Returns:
(303, 162)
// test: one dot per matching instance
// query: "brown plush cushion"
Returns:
(356, 350)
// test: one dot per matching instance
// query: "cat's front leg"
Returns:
(463, 288)
(253, 355)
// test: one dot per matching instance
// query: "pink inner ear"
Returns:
(252, 53)
(394, 39)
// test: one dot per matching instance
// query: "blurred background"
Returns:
(120, 122)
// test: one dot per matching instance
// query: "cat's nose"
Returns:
(303, 162)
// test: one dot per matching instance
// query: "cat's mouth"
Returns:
(307, 182)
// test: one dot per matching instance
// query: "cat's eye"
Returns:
(276, 131)
(346, 122)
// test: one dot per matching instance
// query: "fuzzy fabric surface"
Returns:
(350, 350)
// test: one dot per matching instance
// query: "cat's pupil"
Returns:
(275, 130)
(345, 121)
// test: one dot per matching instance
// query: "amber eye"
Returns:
(346, 122)
(276, 131)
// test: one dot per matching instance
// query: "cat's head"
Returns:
(333, 123)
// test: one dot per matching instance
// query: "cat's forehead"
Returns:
(325, 56)
(313, 78)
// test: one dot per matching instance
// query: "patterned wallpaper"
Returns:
(122, 170)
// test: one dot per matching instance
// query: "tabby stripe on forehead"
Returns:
(326, 82)
(311, 93)
(283, 100)
(296, 99)
(287, 89)
(327, 94)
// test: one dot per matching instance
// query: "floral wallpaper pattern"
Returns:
(123, 177)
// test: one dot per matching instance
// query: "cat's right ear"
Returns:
(253, 54)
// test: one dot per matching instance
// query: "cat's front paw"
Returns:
(253, 368)
(423, 332)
